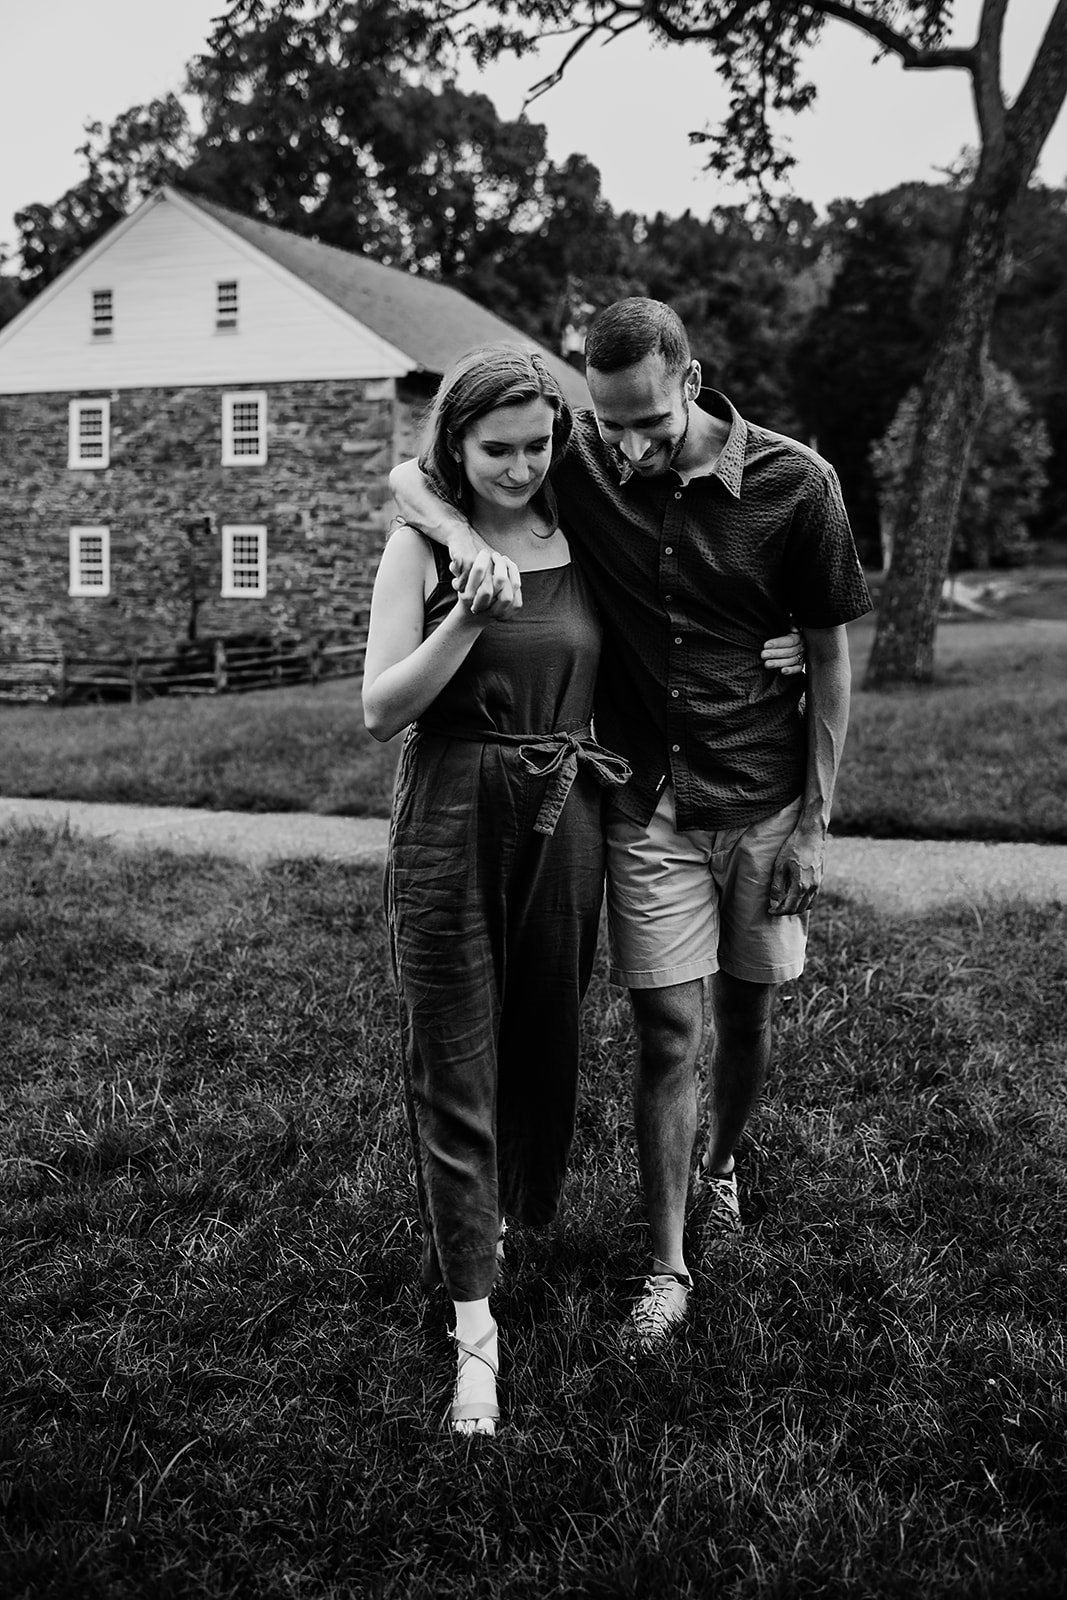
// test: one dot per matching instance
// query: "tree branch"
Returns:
(912, 56)
(985, 79)
(1038, 102)
(543, 85)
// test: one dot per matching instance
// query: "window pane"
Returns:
(91, 433)
(91, 561)
(245, 561)
(103, 311)
(226, 304)
(245, 424)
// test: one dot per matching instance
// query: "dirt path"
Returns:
(901, 875)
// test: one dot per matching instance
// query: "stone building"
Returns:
(197, 420)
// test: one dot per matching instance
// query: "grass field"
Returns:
(980, 754)
(223, 1380)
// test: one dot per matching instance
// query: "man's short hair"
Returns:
(625, 333)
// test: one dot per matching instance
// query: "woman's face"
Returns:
(507, 453)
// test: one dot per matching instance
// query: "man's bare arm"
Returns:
(799, 868)
(481, 575)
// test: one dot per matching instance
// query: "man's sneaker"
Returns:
(715, 1201)
(659, 1312)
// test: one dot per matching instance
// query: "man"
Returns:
(701, 535)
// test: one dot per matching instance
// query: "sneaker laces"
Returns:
(661, 1307)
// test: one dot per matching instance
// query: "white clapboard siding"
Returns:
(163, 265)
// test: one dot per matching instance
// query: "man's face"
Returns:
(642, 411)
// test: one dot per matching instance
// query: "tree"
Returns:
(550, 278)
(341, 119)
(735, 285)
(1003, 488)
(11, 301)
(757, 47)
(868, 343)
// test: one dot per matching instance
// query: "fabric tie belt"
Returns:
(555, 755)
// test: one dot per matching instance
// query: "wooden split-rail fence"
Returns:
(213, 667)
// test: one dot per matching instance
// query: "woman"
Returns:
(495, 872)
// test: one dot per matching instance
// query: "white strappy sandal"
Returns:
(476, 1417)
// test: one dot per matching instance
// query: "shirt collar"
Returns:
(731, 463)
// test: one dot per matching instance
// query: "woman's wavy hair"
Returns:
(479, 382)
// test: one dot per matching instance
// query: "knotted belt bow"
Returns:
(557, 755)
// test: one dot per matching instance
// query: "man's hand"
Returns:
(797, 874)
(483, 578)
(784, 653)
(480, 576)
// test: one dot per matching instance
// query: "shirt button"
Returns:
(678, 494)
(678, 640)
(674, 694)
(669, 551)
(676, 748)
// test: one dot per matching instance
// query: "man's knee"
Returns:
(669, 1024)
(742, 1009)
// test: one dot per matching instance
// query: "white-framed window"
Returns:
(244, 428)
(244, 562)
(90, 561)
(226, 305)
(103, 321)
(89, 433)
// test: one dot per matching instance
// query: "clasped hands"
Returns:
(487, 583)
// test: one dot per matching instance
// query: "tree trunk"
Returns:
(950, 408)
(950, 404)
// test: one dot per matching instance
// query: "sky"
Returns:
(628, 106)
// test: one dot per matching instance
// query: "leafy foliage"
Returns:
(759, 49)
(11, 301)
(862, 349)
(1004, 483)
(342, 121)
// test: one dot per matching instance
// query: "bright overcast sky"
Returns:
(628, 107)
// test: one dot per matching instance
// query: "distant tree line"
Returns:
(347, 125)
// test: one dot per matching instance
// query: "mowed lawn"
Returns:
(220, 1375)
(982, 753)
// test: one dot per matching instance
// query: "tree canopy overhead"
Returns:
(759, 49)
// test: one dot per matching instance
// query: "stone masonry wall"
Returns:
(322, 495)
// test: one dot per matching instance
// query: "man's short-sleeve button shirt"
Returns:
(691, 578)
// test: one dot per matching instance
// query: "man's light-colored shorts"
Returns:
(682, 905)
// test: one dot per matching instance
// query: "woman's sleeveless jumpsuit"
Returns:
(494, 923)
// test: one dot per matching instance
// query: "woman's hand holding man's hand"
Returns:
(487, 583)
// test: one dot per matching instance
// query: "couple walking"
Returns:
(628, 560)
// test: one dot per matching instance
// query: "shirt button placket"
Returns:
(669, 546)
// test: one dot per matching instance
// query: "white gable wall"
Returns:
(163, 267)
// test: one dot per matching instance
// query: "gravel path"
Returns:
(902, 875)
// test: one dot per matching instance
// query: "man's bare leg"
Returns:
(670, 1028)
(743, 1015)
